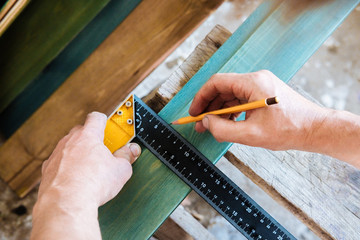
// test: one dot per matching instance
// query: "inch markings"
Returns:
(204, 177)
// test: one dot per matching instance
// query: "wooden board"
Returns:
(37, 35)
(282, 40)
(182, 225)
(322, 192)
(100, 83)
(59, 69)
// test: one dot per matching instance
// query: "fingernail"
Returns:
(205, 122)
(135, 149)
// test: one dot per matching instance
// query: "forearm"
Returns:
(337, 134)
(55, 218)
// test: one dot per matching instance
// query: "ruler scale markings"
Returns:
(205, 178)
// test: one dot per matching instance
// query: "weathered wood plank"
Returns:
(170, 230)
(182, 225)
(56, 72)
(35, 37)
(321, 191)
(101, 82)
(154, 191)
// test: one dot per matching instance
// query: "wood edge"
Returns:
(271, 191)
(182, 226)
(5, 8)
(170, 230)
(11, 15)
(190, 224)
(157, 99)
(23, 185)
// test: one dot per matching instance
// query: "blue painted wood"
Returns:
(64, 64)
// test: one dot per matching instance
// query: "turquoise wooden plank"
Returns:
(64, 64)
(154, 192)
(37, 35)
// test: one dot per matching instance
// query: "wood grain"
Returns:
(170, 230)
(182, 225)
(36, 36)
(59, 69)
(321, 191)
(101, 82)
(264, 41)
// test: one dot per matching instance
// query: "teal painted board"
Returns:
(64, 64)
(305, 32)
(154, 192)
(37, 35)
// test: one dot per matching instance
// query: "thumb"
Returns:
(129, 152)
(226, 130)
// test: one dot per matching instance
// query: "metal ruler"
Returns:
(204, 177)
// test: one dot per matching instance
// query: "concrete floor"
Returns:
(332, 76)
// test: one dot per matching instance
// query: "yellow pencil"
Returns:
(239, 108)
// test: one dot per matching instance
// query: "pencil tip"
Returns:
(175, 122)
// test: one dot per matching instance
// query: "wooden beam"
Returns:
(170, 230)
(100, 83)
(182, 225)
(322, 192)
(36, 36)
(279, 42)
(59, 69)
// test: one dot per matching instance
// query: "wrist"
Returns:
(314, 130)
(336, 133)
(316, 137)
(58, 214)
(65, 200)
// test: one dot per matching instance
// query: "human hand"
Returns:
(82, 167)
(80, 175)
(286, 125)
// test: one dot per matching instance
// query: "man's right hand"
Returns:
(286, 125)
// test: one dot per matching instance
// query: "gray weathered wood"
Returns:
(187, 222)
(321, 191)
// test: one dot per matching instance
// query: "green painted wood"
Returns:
(64, 64)
(38, 34)
(280, 46)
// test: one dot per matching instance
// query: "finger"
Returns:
(222, 101)
(44, 166)
(227, 130)
(130, 152)
(225, 84)
(74, 129)
(95, 123)
(199, 127)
